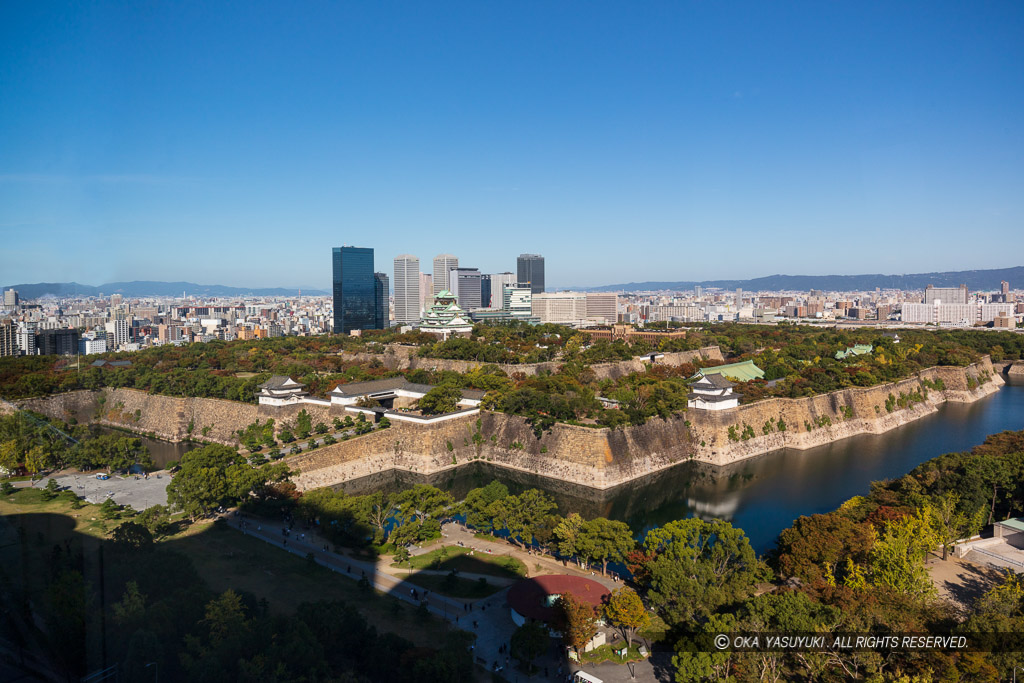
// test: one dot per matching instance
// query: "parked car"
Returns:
(103, 476)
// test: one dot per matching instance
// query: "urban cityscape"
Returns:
(450, 299)
(668, 342)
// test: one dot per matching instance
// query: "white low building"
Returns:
(393, 392)
(281, 391)
(712, 392)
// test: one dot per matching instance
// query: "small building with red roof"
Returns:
(535, 598)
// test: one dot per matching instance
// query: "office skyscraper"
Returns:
(530, 269)
(443, 263)
(354, 289)
(381, 307)
(485, 291)
(499, 281)
(426, 292)
(465, 286)
(407, 289)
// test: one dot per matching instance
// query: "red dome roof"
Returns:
(529, 597)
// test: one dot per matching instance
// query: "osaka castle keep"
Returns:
(445, 317)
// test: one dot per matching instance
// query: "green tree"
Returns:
(567, 532)
(625, 611)
(110, 509)
(197, 490)
(603, 540)
(478, 502)
(897, 559)
(529, 641)
(51, 490)
(35, 460)
(130, 610)
(698, 566)
(951, 522)
(156, 519)
(440, 399)
(9, 457)
(522, 515)
(132, 536)
(303, 424)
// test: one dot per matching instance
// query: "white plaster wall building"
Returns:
(564, 308)
(712, 392)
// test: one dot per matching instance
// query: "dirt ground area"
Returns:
(961, 581)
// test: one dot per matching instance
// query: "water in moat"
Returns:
(161, 451)
(762, 495)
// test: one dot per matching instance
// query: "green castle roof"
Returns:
(741, 372)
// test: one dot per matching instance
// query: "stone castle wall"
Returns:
(398, 357)
(597, 458)
(832, 416)
(592, 457)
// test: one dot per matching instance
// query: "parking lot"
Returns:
(140, 492)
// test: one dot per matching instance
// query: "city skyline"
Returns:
(589, 137)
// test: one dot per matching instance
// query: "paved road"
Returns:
(489, 618)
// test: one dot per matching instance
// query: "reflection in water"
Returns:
(161, 451)
(762, 495)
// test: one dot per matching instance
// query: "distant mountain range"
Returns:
(976, 280)
(140, 288)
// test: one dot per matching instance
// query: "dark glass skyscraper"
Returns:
(530, 269)
(355, 289)
(382, 311)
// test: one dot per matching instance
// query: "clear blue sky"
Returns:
(237, 142)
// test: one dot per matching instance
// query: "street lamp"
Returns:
(156, 671)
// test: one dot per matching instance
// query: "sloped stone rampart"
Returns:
(398, 357)
(602, 458)
(596, 458)
(832, 416)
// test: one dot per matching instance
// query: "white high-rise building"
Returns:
(426, 291)
(443, 263)
(117, 332)
(407, 289)
(499, 281)
(27, 339)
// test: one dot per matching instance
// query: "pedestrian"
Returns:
(286, 543)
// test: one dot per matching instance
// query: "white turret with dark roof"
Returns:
(281, 391)
(712, 392)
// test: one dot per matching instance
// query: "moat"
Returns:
(762, 495)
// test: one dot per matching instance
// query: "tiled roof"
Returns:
(741, 372)
(280, 382)
(393, 384)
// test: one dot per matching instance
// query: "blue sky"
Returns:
(237, 142)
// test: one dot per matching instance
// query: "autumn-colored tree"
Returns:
(951, 522)
(576, 621)
(625, 610)
(897, 560)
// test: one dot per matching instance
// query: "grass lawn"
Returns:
(226, 558)
(605, 654)
(222, 556)
(456, 557)
(453, 588)
(28, 501)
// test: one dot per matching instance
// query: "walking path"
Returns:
(488, 618)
